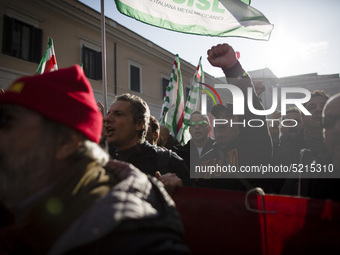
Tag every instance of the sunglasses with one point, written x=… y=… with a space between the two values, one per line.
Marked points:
x=329 y=121
x=201 y=123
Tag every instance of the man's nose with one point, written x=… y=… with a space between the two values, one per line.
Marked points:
x=107 y=119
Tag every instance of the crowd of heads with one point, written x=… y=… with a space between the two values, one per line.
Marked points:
x=51 y=126
x=128 y=122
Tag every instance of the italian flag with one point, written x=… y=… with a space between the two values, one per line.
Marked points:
x=48 y=62
x=172 y=113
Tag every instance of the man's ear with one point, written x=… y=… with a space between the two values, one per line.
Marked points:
x=140 y=125
x=67 y=147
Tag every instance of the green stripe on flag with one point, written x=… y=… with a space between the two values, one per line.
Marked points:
x=172 y=112
x=44 y=57
x=194 y=100
x=246 y=1
x=213 y=18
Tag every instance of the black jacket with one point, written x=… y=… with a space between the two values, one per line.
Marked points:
x=119 y=210
x=189 y=152
x=149 y=159
x=325 y=188
x=252 y=147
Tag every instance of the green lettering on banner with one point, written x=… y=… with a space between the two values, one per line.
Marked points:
x=179 y=1
x=205 y=5
x=215 y=7
x=202 y=4
x=190 y=3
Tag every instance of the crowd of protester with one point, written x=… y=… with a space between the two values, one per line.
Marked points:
x=55 y=173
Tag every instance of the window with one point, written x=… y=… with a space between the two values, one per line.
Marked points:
x=92 y=63
x=135 y=78
x=187 y=90
x=165 y=83
x=21 y=40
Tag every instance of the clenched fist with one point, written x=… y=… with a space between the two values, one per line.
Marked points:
x=222 y=55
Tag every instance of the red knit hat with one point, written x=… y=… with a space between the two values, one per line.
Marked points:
x=64 y=96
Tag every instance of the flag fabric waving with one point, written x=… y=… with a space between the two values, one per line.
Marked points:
x=172 y=112
x=246 y=2
x=48 y=62
x=194 y=100
x=209 y=17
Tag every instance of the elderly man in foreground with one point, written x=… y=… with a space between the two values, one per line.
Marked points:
x=56 y=196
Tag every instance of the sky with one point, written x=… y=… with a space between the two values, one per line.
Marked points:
x=305 y=38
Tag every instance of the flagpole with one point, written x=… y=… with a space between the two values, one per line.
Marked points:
x=103 y=56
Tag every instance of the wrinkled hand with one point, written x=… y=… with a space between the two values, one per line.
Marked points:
x=171 y=182
x=222 y=55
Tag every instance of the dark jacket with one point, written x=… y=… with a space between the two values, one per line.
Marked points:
x=171 y=143
x=289 y=150
x=253 y=146
x=189 y=152
x=300 y=149
x=325 y=188
x=149 y=159
x=93 y=211
x=322 y=185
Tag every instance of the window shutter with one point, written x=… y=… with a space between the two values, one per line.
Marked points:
x=135 y=78
x=36 y=45
x=7 y=35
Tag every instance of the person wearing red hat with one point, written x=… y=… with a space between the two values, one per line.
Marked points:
x=59 y=193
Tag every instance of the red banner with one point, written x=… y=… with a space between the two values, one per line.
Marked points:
x=230 y=222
